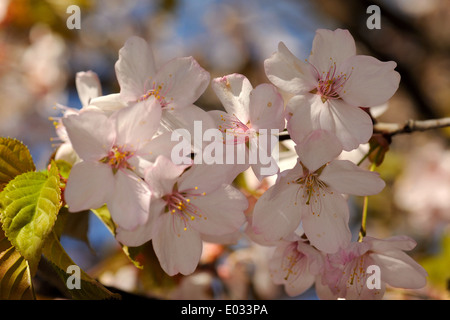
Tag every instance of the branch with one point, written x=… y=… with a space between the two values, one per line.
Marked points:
x=392 y=129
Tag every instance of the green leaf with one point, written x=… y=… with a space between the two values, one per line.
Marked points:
x=15 y=273
x=29 y=205
x=90 y=289
x=15 y=159
x=64 y=168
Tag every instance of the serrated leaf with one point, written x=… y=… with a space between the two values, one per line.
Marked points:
x=90 y=289
x=29 y=205
x=15 y=159
x=15 y=273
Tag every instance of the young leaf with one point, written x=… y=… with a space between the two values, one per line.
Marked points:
x=15 y=159
x=15 y=274
x=29 y=205
x=90 y=289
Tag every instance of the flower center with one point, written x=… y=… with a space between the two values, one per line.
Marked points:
x=179 y=205
x=159 y=92
x=117 y=158
x=232 y=126
x=330 y=84
x=290 y=261
x=311 y=188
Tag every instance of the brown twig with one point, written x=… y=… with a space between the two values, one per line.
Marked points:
x=392 y=129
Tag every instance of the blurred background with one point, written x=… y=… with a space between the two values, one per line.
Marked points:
x=39 y=57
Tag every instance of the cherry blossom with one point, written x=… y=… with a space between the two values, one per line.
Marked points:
x=295 y=265
x=330 y=86
x=311 y=194
x=114 y=150
x=88 y=87
x=177 y=84
x=251 y=114
x=347 y=273
x=188 y=202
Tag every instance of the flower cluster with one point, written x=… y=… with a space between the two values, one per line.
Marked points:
x=122 y=148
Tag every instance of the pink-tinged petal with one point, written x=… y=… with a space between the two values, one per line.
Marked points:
x=191 y=118
x=180 y=82
x=266 y=108
x=305 y=114
x=331 y=47
x=346 y=177
x=147 y=154
x=370 y=82
x=144 y=232
x=129 y=205
x=222 y=211
x=88 y=86
x=162 y=176
x=319 y=148
x=353 y=126
x=234 y=92
x=136 y=125
x=107 y=104
x=91 y=133
x=178 y=250
x=404 y=243
x=290 y=268
x=134 y=68
x=323 y=291
x=326 y=222
x=289 y=73
x=203 y=178
x=229 y=238
x=400 y=270
x=277 y=213
x=89 y=186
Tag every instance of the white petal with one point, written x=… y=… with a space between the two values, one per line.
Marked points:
x=346 y=177
x=134 y=68
x=136 y=125
x=326 y=223
x=182 y=82
x=319 y=148
x=161 y=145
x=396 y=242
x=191 y=118
x=234 y=92
x=370 y=82
x=266 y=108
x=400 y=270
x=129 y=205
x=331 y=47
x=107 y=104
x=222 y=211
x=290 y=73
x=162 y=176
x=91 y=134
x=204 y=177
x=144 y=232
x=89 y=186
x=88 y=86
x=305 y=114
x=178 y=250
x=65 y=152
x=277 y=214
x=353 y=126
